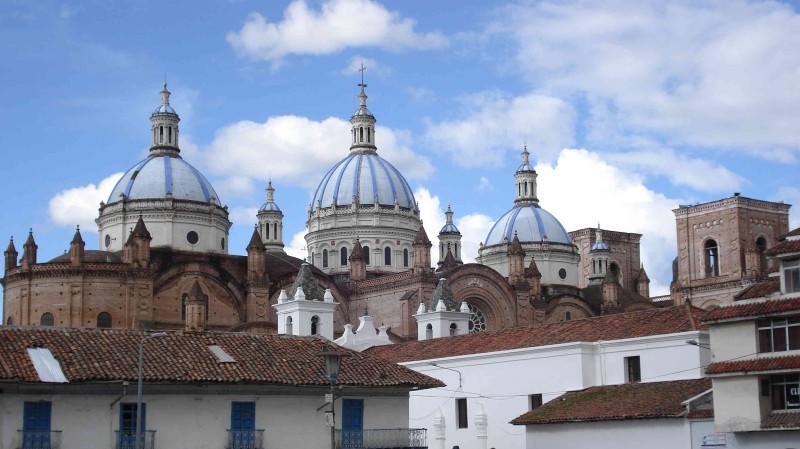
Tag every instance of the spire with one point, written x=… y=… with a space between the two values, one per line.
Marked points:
x=533 y=269
x=422 y=236
x=76 y=248
x=29 y=250
x=11 y=248
x=140 y=230
x=443 y=298
x=196 y=303
x=270 y=193
x=77 y=237
x=255 y=241
x=164 y=127
x=11 y=255
x=363 y=123
x=449 y=215
x=358 y=267
x=516 y=247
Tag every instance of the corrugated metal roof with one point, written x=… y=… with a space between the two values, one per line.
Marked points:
x=46 y=366
x=223 y=356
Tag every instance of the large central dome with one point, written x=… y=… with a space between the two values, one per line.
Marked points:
x=162 y=175
x=530 y=223
x=363 y=178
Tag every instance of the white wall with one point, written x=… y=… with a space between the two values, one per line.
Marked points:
x=644 y=433
x=733 y=340
x=194 y=421
x=502 y=381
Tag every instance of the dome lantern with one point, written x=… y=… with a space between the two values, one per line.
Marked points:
x=526 y=181
x=363 y=123
x=164 y=126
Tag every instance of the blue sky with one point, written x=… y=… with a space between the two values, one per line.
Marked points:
x=628 y=108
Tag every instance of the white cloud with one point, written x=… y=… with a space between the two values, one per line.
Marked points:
x=697 y=73
x=79 y=205
x=699 y=174
x=299 y=151
x=473 y=227
x=371 y=66
x=582 y=189
x=491 y=123
x=297 y=247
x=304 y=31
x=244 y=216
x=422 y=95
x=484 y=184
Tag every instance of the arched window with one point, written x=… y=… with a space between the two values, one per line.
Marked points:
x=274 y=230
x=405 y=257
x=8 y=321
x=104 y=320
x=324 y=258
x=183 y=306
x=343 y=256
x=47 y=319
x=567 y=316
x=456 y=247
x=170 y=135
x=615 y=272
x=266 y=230
x=594 y=267
x=526 y=188
x=313 y=259
x=289 y=325
x=387 y=256
x=369 y=134
x=361 y=134
x=453 y=329
x=314 y=325
x=711 y=258
x=366 y=255
x=761 y=244
x=428 y=332
x=160 y=134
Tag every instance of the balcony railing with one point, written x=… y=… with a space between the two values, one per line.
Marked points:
x=35 y=439
x=245 y=439
x=382 y=438
x=127 y=440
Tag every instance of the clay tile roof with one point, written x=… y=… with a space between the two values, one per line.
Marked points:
x=756 y=365
x=753 y=309
x=609 y=327
x=618 y=402
x=785 y=247
x=781 y=421
x=91 y=355
x=759 y=290
x=793 y=233
x=707 y=413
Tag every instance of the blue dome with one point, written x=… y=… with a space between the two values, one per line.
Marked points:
x=531 y=223
x=269 y=207
x=449 y=228
x=366 y=176
x=160 y=174
x=164 y=109
x=600 y=246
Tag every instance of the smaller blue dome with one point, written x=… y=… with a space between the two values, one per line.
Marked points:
x=164 y=109
x=269 y=207
x=600 y=246
x=449 y=228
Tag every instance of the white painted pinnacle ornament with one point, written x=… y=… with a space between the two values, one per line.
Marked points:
x=464 y=307
x=421 y=308
x=282 y=298
x=328 y=297
x=299 y=294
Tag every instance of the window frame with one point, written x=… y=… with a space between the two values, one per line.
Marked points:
x=790 y=276
x=633 y=369
x=778 y=334
x=535 y=401
x=781 y=387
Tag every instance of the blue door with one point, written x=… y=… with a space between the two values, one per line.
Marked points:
x=36 y=425
x=243 y=425
x=127 y=426
x=352 y=423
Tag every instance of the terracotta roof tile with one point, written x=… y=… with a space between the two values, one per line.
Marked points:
x=88 y=355
x=618 y=402
x=707 y=413
x=755 y=365
x=753 y=309
x=608 y=327
x=785 y=247
x=782 y=420
x=759 y=290
x=792 y=233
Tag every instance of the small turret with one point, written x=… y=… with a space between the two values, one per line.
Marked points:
x=526 y=181
x=534 y=279
x=449 y=239
x=164 y=126
x=270 y=222
x=516 y=261
x=29 y=251
x=76 y=248
x=600 y=255
x=137 y=248
x=196 y=304
x=643 y=283
x=256 y=258
x=358 y=266
x=610 y=294
x=11 y=255
x=422 y=251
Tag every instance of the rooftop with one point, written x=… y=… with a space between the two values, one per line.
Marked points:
x=618 y=402
x=752 y=310
x=609 y=327
x=91 y=355
x=791 y=362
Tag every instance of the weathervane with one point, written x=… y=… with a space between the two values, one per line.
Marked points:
x=362 y=69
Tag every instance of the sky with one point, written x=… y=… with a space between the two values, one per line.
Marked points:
x=629 y=108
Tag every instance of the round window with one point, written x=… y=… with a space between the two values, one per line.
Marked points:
x=562 y=273
x=108 y=240
x=192 y=238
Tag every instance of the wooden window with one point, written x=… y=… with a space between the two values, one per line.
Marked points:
x=633 y=369
x=462 y=420
x=535 y=401
x=791 y=275
x=785 y=391
x=779 y=334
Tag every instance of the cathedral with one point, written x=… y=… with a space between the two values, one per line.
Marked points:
x=164 y=261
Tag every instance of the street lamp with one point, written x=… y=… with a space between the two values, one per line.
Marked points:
x=333 y=364
x=696 y=343
x=136 y=443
